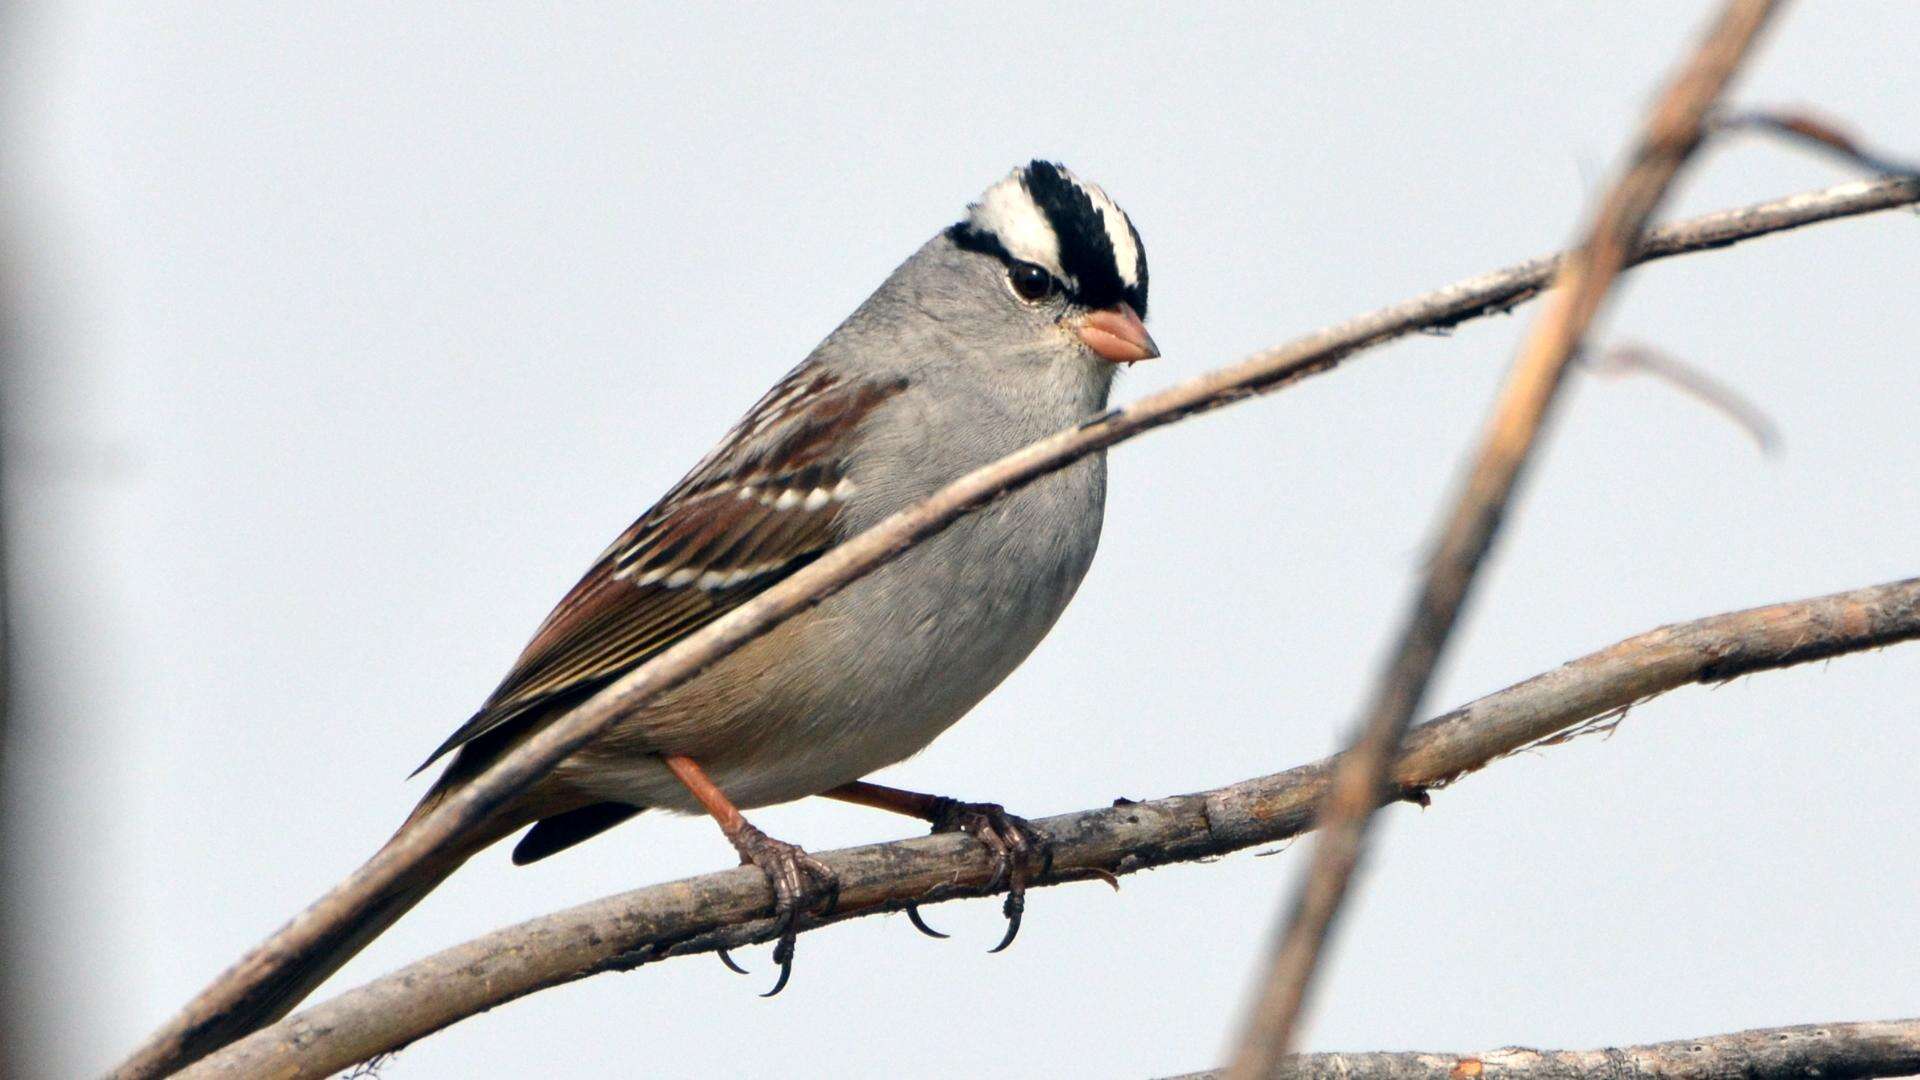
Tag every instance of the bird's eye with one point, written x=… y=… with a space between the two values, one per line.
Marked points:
x=1030 y=282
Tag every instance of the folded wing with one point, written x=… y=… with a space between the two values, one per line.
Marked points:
x=766 y=502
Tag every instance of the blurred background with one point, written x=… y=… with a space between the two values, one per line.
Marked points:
x=347 y=335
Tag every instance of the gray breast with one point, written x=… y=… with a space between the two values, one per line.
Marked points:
x=898 y=657
x=936 y=631
x=880 y=669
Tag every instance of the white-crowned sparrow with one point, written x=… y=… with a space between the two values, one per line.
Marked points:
x=1000 y=330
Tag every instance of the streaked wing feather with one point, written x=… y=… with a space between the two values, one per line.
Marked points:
x=766 y=502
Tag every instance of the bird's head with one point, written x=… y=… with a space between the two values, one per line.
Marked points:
x=1066 y=255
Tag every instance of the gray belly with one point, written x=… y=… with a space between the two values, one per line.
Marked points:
x=878 y=671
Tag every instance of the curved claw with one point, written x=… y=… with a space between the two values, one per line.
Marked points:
x=786 y=970
x=788 y=912
x=1012 y=843
x=920 y=924
x=799 y=882
x=733 y=966
x=782 y=955
x=1013 y=909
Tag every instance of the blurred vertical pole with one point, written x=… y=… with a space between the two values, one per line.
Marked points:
x=12 y=1022
x=10 y=1019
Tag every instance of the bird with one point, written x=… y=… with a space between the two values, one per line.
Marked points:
x=1005 y=327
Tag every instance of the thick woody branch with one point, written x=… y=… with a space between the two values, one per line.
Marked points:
x=1852 y=1051
x=728 y=909
x=1673 y=131
x=205 y=1023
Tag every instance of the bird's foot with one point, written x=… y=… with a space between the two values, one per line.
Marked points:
x=800 y=883
x=1017 y=848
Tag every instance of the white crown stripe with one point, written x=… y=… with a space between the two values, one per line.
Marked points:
x=1126 y=253
x=1008 y=211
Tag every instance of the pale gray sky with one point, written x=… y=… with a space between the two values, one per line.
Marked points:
x=356 y=330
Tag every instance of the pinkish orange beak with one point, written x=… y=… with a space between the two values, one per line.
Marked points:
x=1116 y=334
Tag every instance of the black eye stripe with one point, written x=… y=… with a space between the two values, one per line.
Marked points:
x=966 y=236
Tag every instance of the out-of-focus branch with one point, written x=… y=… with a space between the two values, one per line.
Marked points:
x=1671 y=134
x=1818 y=132
x=204 y=1023
x=727 y=909
x=13 y=1022
x=1696 y=384
x=1850 y=1051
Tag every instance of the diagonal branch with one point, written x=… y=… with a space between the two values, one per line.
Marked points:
x=204 y=1024
x=1672 y=133
x=1853 y=1051
x=727 y=909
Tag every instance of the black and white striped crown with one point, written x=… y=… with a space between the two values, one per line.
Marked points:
x=1045 y=215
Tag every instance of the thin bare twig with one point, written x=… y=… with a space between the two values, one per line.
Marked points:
x=728 y=909
x=1817 y=132
x=1849 y=1051
x=1672 y=132
x=205 y=1023
x=1696 y=384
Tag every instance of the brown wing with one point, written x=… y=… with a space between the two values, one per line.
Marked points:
x=765 y=503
